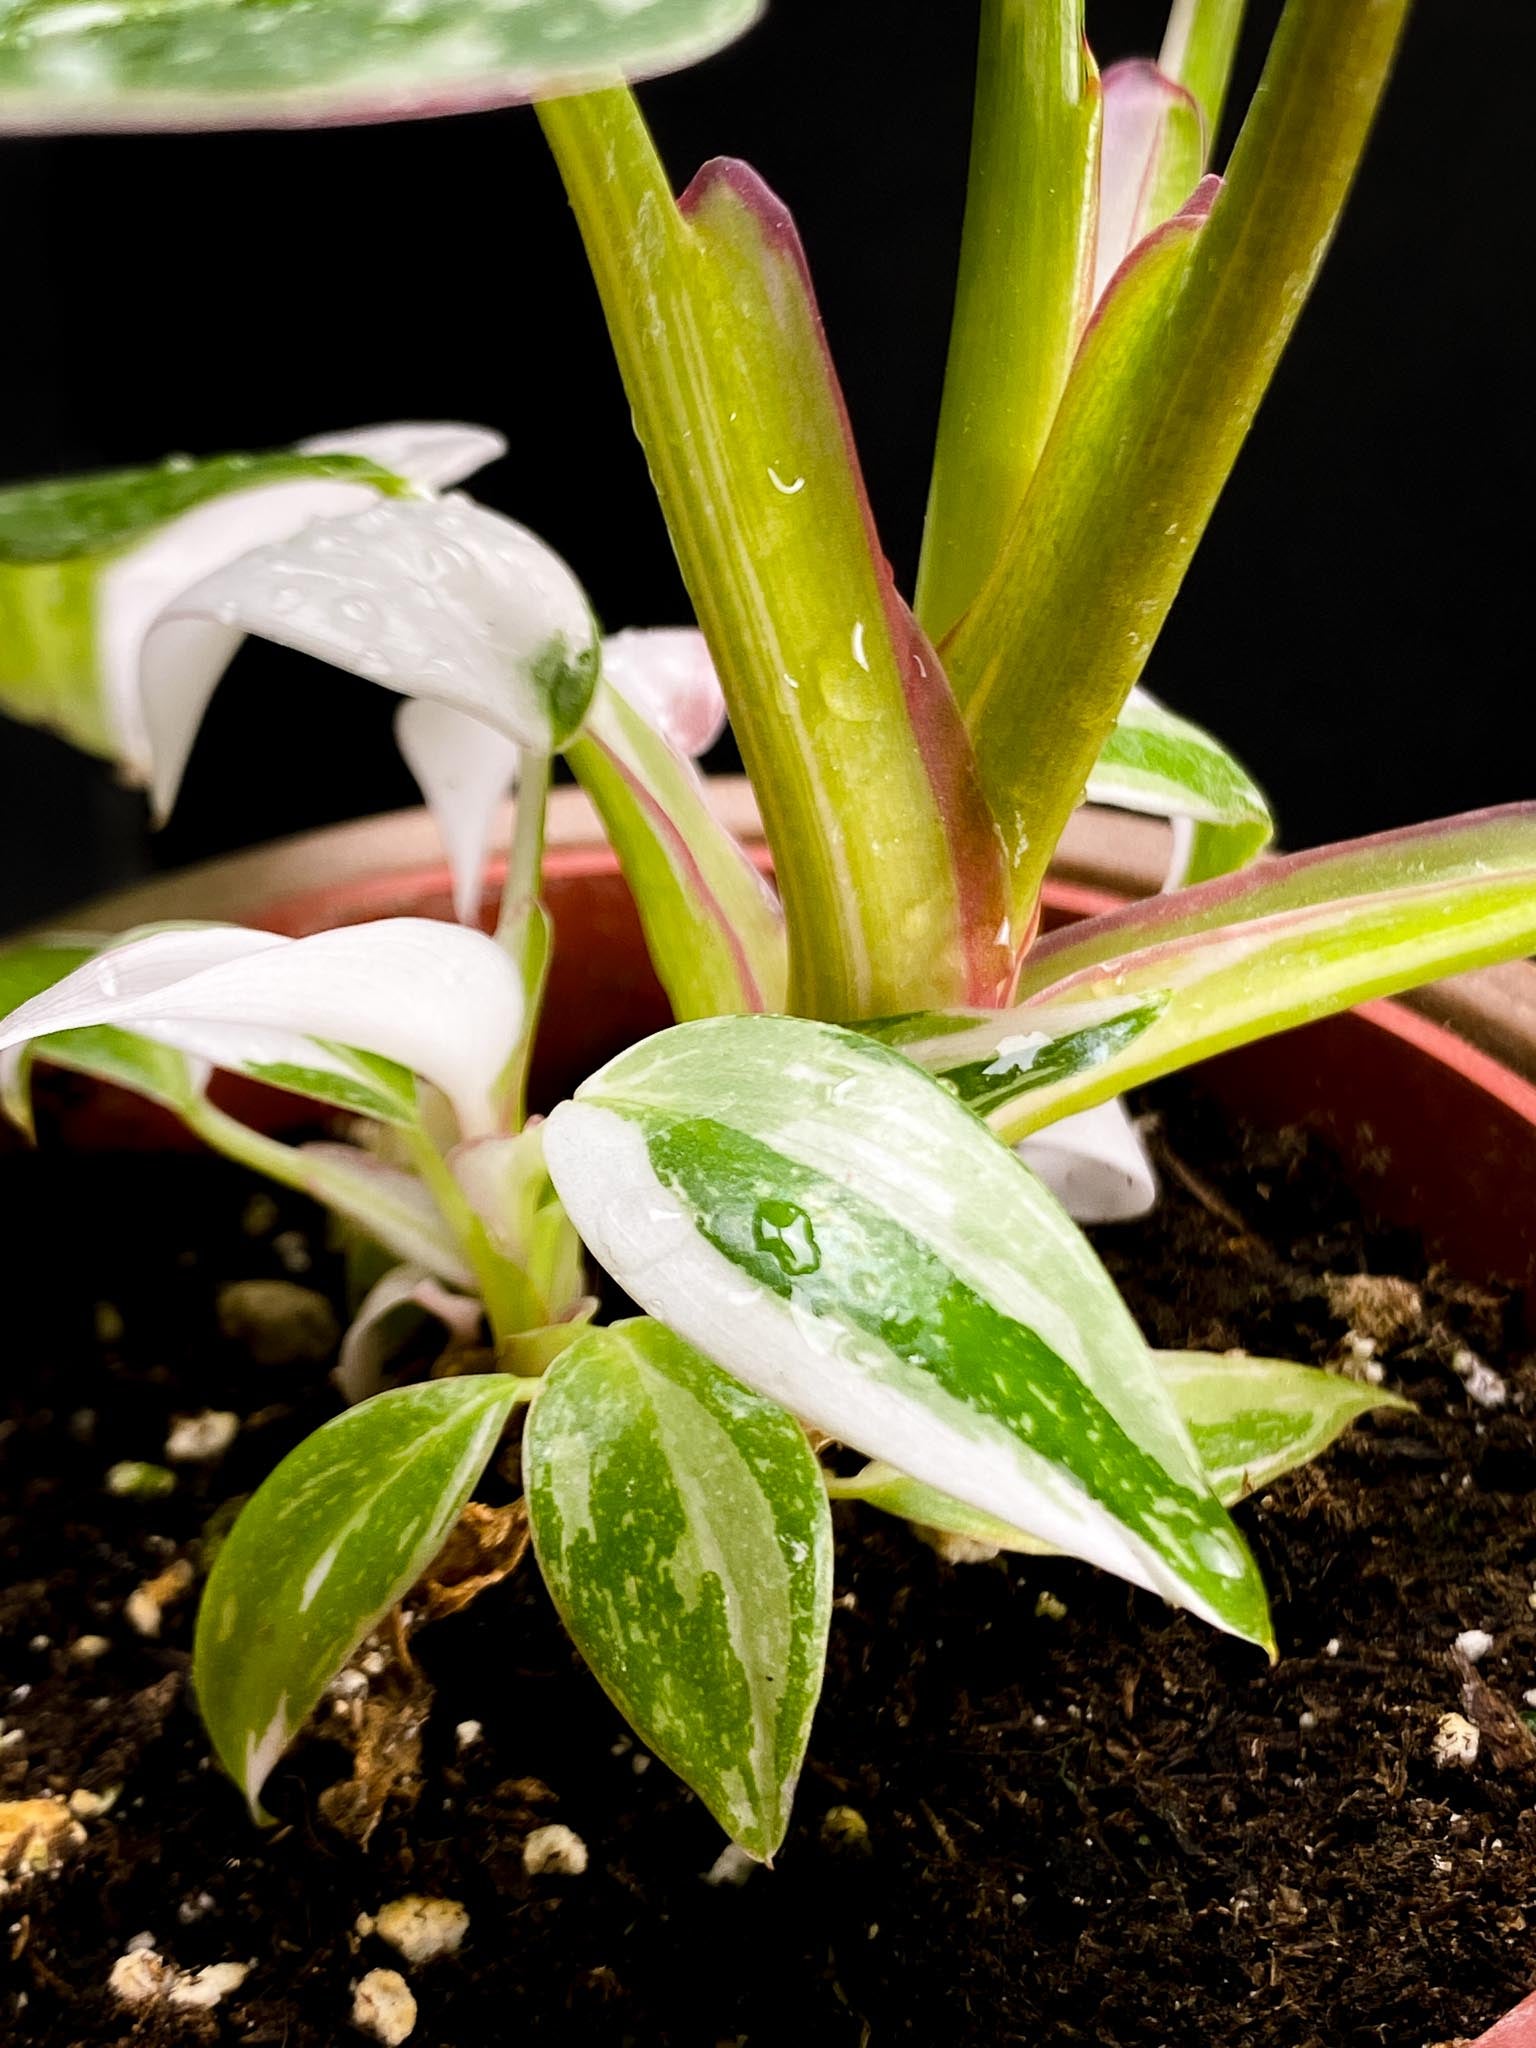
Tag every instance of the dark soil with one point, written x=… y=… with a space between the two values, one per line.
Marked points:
x=1101 y=1825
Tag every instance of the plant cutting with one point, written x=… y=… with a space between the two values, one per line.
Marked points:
x=853 y=1285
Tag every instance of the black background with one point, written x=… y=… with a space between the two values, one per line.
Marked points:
x=1354 y=624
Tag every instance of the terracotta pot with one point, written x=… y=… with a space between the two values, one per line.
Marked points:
x=1517 y=2029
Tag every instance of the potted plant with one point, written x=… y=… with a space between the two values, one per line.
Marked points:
x=852 y=1286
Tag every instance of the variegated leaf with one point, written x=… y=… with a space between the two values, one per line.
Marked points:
x=215 y=64
x=1116 y=1000
x=88 y=563
x=1160 y=764
x=829 y=1224
x=437 y=598
x=105 y=1054
x=682 y=1528
x=346 y=1016
x=344 y=1526
x=1252 y=1420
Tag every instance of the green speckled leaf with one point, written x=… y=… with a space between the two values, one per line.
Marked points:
x=682 y=1526
x=345 y=1525
x=103 y=64
x=1252 y=1419
x=829 y=1224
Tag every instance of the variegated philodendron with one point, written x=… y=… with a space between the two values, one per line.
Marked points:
x=843 y=1223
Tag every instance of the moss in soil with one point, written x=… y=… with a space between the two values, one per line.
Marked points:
x=1089 y=1820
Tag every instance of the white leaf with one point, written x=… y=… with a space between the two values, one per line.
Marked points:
x=666 y=673
x=1095 y=1164
x=432 y=454
x=435 y=598
x=370 y=1341
x=465 y=770
x=445 y=1002
x=135 y=589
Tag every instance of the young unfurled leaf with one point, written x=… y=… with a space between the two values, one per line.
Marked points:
x=1158 y=763
x=886 y=858
x=87 y=563
x=1152 y=157
x=344 y=1526
x=829 y=1224
x=346 y=1016
x=436 y=598
x=1252 y=1420
x=216 y=64
x=1282 y=942
x=682 y=1526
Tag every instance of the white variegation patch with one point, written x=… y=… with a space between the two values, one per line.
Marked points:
x=1095 y=1164
x=438 y=598
x=444 y=1002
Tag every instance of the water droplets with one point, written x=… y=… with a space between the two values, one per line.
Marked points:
x=783 y=1230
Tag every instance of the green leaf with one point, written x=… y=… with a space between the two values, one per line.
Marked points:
x=1159 y=401
x=1275 y=946
x=713 y=926
x=215 y=64
x=1252 y=1420
x=1026 y=272
x=682 y=1527
x=1159 y=763
x=339 y=1532
x=828 y=1223
x=885 y=856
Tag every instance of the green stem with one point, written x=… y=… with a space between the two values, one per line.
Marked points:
x=524 y=929
x=881 y=840
x=1198 y=51
x=512 y=1303
x=1165 y=387
x=1026 y=266
x=525 y=859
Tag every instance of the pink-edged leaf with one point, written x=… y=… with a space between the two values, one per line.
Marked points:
x=1260 y=951
x=885 y=853
x=1152 y=149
